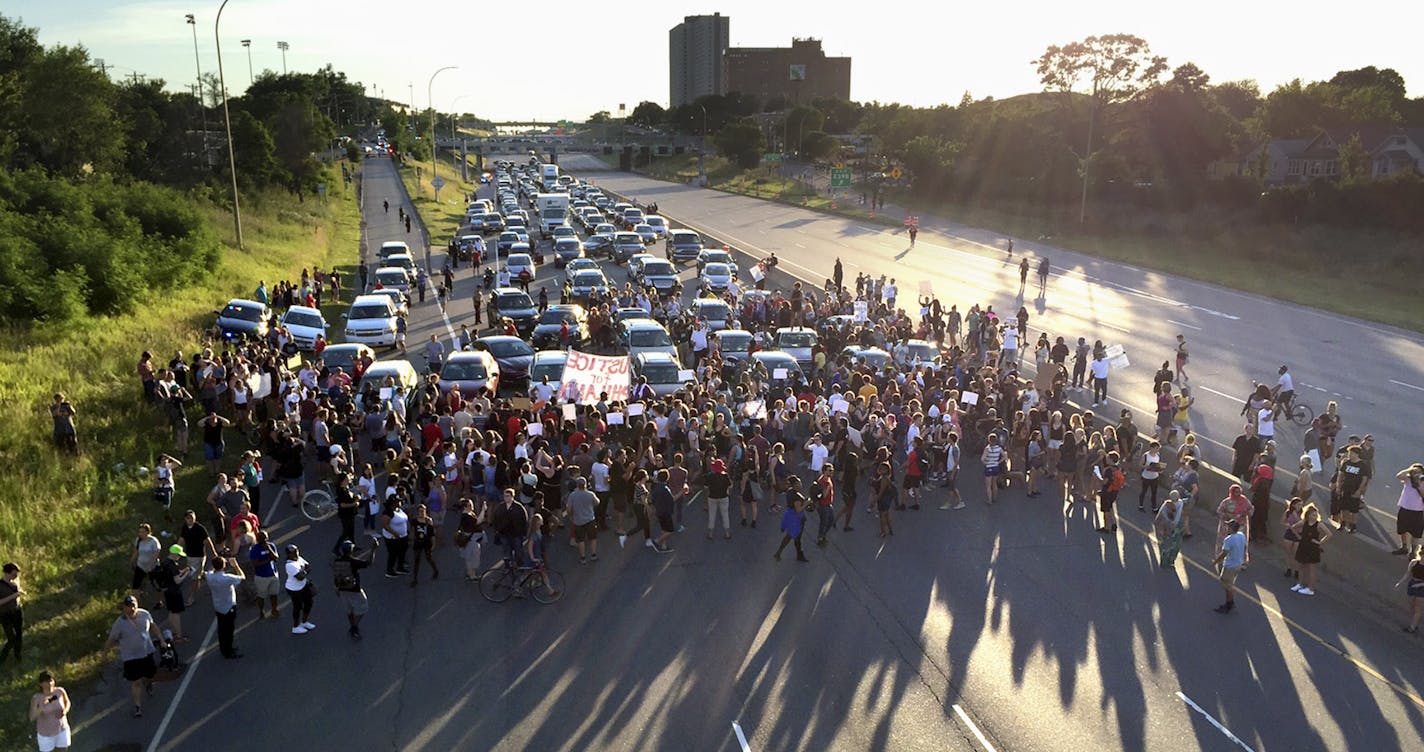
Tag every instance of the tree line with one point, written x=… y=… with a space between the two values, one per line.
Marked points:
x=1114 y=124
x=101 y=181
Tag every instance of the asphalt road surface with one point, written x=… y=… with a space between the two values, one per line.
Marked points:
x=1007 y=627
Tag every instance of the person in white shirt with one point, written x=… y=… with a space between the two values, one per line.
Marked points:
x=543 y=391
x=299 y=589
x=699 y=343
x=819 y=453
x=1285 y=391
x=1010 y=347
x=1266 y=422
x=1099 y=368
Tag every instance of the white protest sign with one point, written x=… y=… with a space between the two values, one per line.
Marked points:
x=862 y=311
x=969 y=398
x=635 y=409
x=586 y=376
x=386 y=392
x=854 y=436
x=926 y=289
x=536 y=429
x=1116 y=357
x=264 y=386
x=778 y=373
x=757 y=273
x=685 y=375
x=615 y=419
x=570 y=411
x=754 y=409
x=840 y=406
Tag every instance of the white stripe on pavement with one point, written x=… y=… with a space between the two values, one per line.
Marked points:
x=1181 y=323
x=741 y=738
x=963 y=716
x=1411 y=386
x=183 y=687
x=1216 y=723
x=1231 y=397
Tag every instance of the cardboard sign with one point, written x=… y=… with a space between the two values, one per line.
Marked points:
x=586 y=376
x=969 y=398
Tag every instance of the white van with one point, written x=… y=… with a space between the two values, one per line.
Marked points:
x=371 y=320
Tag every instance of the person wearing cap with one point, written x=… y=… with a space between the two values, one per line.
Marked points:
x=1409 y=521
x=135 y=634
x=299 y=589
x=223 y=578
x=170 y=575
x=719 y=487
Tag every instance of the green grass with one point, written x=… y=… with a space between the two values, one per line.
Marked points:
x=1368 y=275
x=444 y=218
x=68 y=521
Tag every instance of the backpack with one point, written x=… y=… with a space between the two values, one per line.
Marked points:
x=922 y=461
x=1117 y=480
x=344 y=575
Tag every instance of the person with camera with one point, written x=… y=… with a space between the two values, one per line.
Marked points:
x=1409 y=522
x=49 y=709
x=223 y=579
x=347 y=572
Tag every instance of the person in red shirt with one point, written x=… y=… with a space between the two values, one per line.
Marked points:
x=824 y=494
x=244 y=514
x=512 y=429
x=576 y=437
x=915 y=467
x=431 y=434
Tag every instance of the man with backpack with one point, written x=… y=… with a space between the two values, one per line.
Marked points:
x=346 y=570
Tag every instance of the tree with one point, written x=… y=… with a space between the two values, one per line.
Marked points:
x=1115 y=68
x=1238 y=98
x=819 y=145
x=254 y=151
x=742 y=142
x=1388 y=80
x=648 y=115
x=800 y=119
x=931 y=161
x=1354 y=161
x=602 y=116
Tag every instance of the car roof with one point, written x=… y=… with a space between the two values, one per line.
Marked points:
x=522 y=257
x=344 y=346
x=643 y=324
x=542 y=356
x=773 y=355
x=245 y=303
x=303 y=309
x=371 y=299
x=499 y=338
x=400 y=269
x=509 y=291
x=795 y=329
x=387 y=366
x=683 y=233
x=460 y=355
x=738 y=332
x=656 y=356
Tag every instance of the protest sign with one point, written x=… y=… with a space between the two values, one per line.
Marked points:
x=586 y=376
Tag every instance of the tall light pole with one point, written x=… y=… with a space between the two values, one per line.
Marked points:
x=227 y=119
x=702 y=150
x=283 y=46
x=193 y=22
x=247 y=44
x=430 y=99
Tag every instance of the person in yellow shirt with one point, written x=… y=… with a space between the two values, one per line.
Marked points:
x=868 y=390
x=1181 y=419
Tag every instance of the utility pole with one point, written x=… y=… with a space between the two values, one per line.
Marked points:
x=202 y=108
x=227 y=119
x=247 y=44
x=283 y=46
x=103 y=68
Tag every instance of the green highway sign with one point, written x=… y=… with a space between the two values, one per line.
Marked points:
x=771 y=157
x=840 y=178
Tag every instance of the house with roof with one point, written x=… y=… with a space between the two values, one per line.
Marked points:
x=1391 y=150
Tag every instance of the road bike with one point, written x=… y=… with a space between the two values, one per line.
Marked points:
x=500 y=583
x=318 y=504
x=1299 y=413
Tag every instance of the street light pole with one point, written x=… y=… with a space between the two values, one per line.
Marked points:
x=227 y=119
x=702 y=151
x=247 y=43
x=202 y=108
x=283 y=46
x=430 y=99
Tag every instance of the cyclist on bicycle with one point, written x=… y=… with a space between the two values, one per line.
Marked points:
x=1284 y=391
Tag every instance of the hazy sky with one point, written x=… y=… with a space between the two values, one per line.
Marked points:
x=557 y=59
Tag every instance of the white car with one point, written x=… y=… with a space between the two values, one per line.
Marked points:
x=646 y=232
x=578 y=264
x=605 y=229
x=305 y=324
x=716 y=277
x=635 y=262
x=371 y=320
x=659 y=225
x=520 y=264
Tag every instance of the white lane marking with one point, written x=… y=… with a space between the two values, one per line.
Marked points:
x=1312 y=386
x=183 y=687
x=741 y=738
x=868 y=228
x=1219 y=394
x=963 y=716
x=1182 y=323
x=1411 y=386
x=454 y=341
x=1113 y=326
x=1216 y=723
x=798 y=245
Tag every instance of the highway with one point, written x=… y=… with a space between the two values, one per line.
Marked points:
x=1004 y=628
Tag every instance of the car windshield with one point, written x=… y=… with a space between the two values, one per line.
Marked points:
x=649 y=338
x=558 y=316
x=795 y=339
x=508 y=348
x=243 y=313
x=603 y=229
x=660 y=373
x=520 y=259
x=628 y=237
x=468 y=370
x=555 y=372
x=369 y=312
x=566 y=245
x=923 y=352
x=735 y=342
x=718 y=270
x=657 y=267
x=655 y=222
x=395 y=276
x=712 y=310
x=643 y=228
x=513 y=300
x=684 y=238
x=302 y=318
x=589 y=278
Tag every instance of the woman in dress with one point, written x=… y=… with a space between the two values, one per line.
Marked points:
x=1313 y=536
x=1169 y=529
x=1289 y=537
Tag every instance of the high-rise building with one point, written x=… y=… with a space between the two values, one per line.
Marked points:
x=695 y=49
x=799 y=73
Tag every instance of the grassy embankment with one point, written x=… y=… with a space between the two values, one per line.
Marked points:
x=444 y=218
x=1359 y=273
x=69 y=521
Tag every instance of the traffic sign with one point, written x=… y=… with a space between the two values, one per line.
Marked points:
x=437 y=182
x=895 y=173
x=840 y=178
x=771 y=157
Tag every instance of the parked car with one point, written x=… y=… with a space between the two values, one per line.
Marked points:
x=659 y=225
x=587 y=282
x=646 y=232
x=305 y=324
x=521 y=267
x=512 y=354
x=546 y=335
x=394 y=277
x=735 y=346
x=399 y=372
x=660 y=275
x=716 y=277
x=471 y=371
x=241 y=318
x=661 y=371
x=566 y=250
x=345 y=357
x=714 y=311
x=548 y=363
x=625 y=244
x=715 y=256
x=798 y=342
x=646 y=335
x=683 y=245
x=775 y=361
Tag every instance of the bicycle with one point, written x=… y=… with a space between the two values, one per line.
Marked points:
x=318 y=504
x=1299 y=413
x=539 y=582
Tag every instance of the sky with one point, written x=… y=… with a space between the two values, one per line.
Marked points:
x=567 y=60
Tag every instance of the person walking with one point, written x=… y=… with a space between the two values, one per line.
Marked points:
x=993 y=459
x=49 y=709
x=12 y=618
x=169 y=576
x=1309 y=550
x=395 y=529
x=1111 y=480
x=135 y=635
x=793 y=520
x=1414 y=579
x=1043 y=276
x=663 y=503
x=346 y=571
x=719 y=488
x=265 y=583
x=824 y=494
x=583 y=511
x=1151 y=474
x=299 y=590
x=1409 y=520
x=223 y=580
x=1169 y=529
x=882 y=487
x=1023 y=275
x=423 y=533
x=1230 y=560
x=470 y=536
